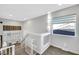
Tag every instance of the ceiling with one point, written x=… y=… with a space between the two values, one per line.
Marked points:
x=22 y=12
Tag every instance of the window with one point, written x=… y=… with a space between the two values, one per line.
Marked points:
x=64 y=25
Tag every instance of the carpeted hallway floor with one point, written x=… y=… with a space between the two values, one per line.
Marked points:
x=50 y=51
x=56 y=51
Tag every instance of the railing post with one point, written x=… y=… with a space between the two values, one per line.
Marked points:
x=1 y=52
x=13 y=50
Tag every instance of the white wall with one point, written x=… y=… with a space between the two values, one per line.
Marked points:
x=36 y=25
x=65 y=42
x=11 y=22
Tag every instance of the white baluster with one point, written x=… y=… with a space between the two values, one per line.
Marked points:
x=9 y=51
x=1 y=52
x=13 y=50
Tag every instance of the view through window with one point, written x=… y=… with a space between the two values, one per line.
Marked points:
x=64 y=25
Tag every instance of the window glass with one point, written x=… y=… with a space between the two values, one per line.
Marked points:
x=64 y=25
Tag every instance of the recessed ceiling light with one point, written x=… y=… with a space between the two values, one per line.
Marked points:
x=49 y=12
x=60 y=4
x=24 y=18
x=10 y=15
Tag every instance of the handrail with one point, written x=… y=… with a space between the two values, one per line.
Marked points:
x=28 y=35
x=25 y=38
x=5 y=48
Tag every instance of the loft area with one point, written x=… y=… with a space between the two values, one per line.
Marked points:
x=35 y=37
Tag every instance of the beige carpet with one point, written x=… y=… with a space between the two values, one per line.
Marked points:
x=50 y=51
x=19 y=50
x=56 y=51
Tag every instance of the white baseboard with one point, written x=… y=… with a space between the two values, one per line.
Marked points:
x=65 y=49
x=44 y=48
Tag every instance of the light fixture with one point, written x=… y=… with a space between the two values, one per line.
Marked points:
x=59 y=4
x=24 y=18
x=10 y=15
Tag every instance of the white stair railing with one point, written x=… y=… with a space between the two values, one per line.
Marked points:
x=24 y=38
x=10 y=50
